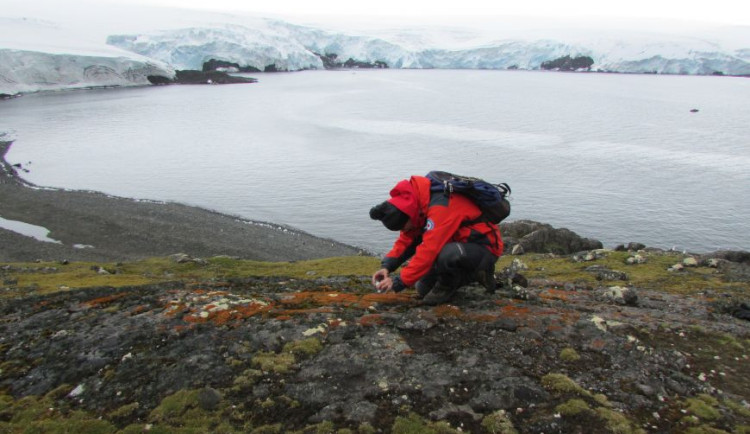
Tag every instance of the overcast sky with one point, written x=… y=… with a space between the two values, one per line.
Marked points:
x=713 y=11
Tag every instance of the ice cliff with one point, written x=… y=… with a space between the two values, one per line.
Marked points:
x=294 y=47
x=45 y=49
x=37 y=55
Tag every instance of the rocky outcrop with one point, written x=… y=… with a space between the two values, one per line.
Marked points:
x=224 y=66
x=526 y=236
x=331 y=61
x=200 y=77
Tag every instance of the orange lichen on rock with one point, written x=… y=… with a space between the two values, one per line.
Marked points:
x=556 y=294
x=371 y=320
x=106 y=299
x=388 y=298
x=447 y=310
x=343 y=299
x=288 y=313
x=487 y=317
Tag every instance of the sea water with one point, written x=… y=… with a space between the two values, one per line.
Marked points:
x=662 y=160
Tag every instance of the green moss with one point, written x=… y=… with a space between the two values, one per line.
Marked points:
x=498 y=423
x=124 y=411
x=305 y=347
x=65 y=426
x=602 y=400
x=33 y=414
x=267 y=429
x=29 y=409
x=414 y=424
x=59 y=392
x=272 y=362
x=729 y=340
x=181 y=412
x=247 y=379
x=617 y=423
x=704 y=429
x=173 y=407
x=560 y=384
x=653 y=274
x=325 y=427
x=6 y=402
x=162 y=269
x=366 y=428
x=703 y=406
x=573 y=407
x=741 y=429
x=569 y=355
x=737 y=408
x=135 y=428
x=267 y=403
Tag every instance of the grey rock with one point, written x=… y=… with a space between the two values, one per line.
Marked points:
x=209 y=398
x=535 y=237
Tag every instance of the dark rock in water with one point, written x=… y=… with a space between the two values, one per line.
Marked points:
x=190 y=76
x=218 y=65
x=694 y=110
x=331 y=61
x=158 y=79
x=543 y=238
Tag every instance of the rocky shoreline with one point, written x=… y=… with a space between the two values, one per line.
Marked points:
x=95 y=226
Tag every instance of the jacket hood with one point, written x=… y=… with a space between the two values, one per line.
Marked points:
x=404 y=197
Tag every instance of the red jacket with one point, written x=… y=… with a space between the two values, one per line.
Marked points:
x=437 y=220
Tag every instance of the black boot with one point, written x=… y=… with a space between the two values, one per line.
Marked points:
x=440 y=294
x=425 y=285
x=486 y=277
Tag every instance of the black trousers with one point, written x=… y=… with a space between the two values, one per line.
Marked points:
x=457 y=265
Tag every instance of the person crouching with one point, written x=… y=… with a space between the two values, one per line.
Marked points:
x=440 y=237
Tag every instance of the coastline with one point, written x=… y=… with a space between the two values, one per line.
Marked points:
x=93 y=226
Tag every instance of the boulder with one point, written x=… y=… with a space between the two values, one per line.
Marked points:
x=739 y=256
x=538 y=237
x=619 y=295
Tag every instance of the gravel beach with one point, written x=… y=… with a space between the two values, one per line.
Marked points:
x=98 y=227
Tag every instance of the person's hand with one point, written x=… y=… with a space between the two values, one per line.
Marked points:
x=379 y=276
x=385 y=285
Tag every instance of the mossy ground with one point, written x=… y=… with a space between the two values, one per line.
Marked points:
x=232 y=410
x=43 y=278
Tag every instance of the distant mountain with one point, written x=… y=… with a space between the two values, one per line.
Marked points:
x=120 y=48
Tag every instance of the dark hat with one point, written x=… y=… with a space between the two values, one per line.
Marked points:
x=393 y=218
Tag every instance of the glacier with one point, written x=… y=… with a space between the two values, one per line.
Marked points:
x=36 y=56
x=52 y=48
x=295 y=47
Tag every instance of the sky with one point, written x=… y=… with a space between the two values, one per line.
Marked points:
x=734 y=12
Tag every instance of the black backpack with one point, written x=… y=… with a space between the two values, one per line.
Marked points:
x=490 y=198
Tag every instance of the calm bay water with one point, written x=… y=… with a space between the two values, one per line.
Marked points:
x=618 y=158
